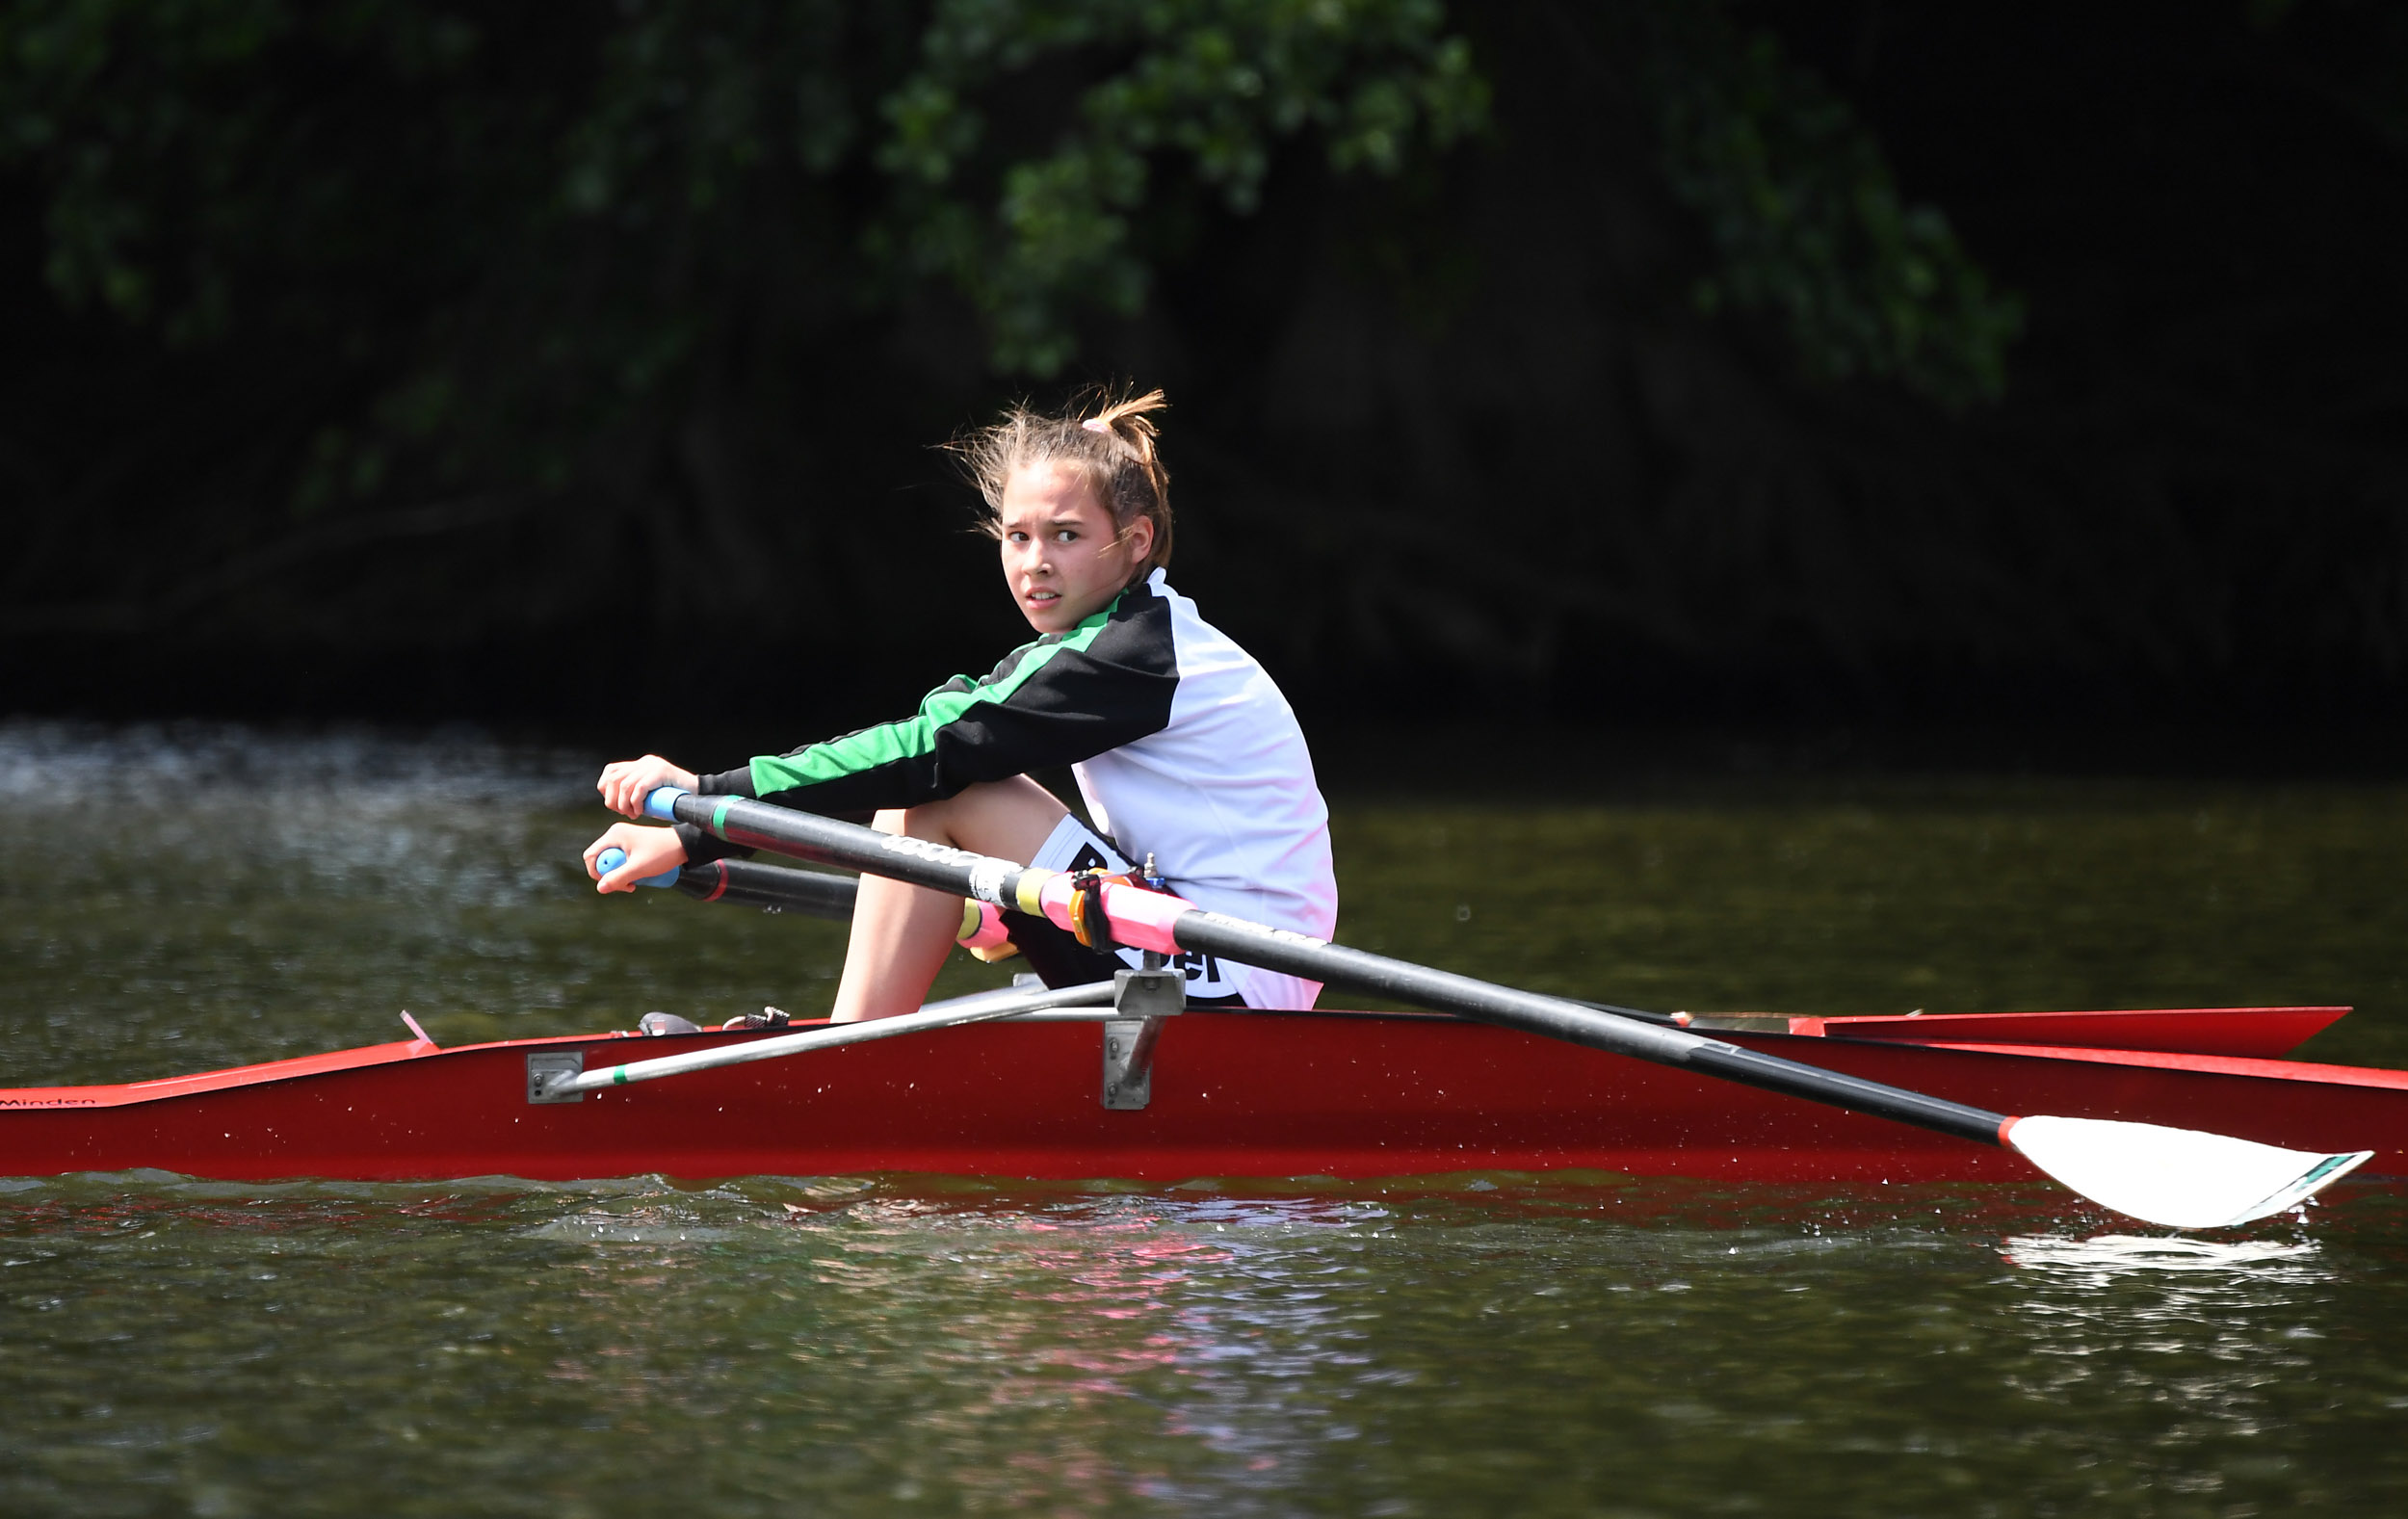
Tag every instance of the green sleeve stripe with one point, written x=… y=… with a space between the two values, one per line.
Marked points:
x=892 y=743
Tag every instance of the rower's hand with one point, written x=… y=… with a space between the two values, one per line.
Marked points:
x=649 y=851
x=625 y=783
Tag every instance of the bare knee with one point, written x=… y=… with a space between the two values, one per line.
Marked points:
x=932 y=821
x=1014 y=813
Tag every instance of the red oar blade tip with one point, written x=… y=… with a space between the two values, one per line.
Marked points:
x=2180 y=1178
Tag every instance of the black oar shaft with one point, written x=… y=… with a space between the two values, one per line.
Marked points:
x=751 y=886
x=1249 y=944
x=760 y=826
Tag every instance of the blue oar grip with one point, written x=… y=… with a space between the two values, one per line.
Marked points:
x=661 y=802
x=614 y=857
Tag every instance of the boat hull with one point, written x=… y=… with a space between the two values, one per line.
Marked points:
x=1234 y=1095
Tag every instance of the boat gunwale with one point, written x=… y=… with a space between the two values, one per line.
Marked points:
x=1816 y=1031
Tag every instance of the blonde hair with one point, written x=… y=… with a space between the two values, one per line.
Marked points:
x=1107 y=436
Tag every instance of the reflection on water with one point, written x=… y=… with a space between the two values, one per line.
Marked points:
x=1491 y=1345
x=913 y=1345
x=2102 y=1261
x=2220 y=1338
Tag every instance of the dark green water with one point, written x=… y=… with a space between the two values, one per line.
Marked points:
x=1482 y=1344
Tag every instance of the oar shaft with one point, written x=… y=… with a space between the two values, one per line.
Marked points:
x=1251 y=944
x=1152 y=921
x=750 y=885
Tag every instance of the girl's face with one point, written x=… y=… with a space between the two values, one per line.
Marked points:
x=1061 y=557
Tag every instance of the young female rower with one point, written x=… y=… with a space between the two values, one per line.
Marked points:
x=1182 y=747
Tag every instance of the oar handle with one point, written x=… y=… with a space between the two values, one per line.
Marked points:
x=614 y=857
x=749 y=885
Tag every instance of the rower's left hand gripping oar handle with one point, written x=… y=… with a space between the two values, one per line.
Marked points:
x=614 y=857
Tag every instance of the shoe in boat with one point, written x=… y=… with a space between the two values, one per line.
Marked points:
x=765 y=1018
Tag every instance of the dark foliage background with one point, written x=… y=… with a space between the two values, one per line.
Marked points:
x=1766 y=362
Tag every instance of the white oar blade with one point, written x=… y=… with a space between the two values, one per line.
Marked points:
x=2178 y=1177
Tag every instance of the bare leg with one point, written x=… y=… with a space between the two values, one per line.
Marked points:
x=900 y=935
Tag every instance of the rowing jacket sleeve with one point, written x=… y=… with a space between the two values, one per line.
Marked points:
x=1066 y=698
